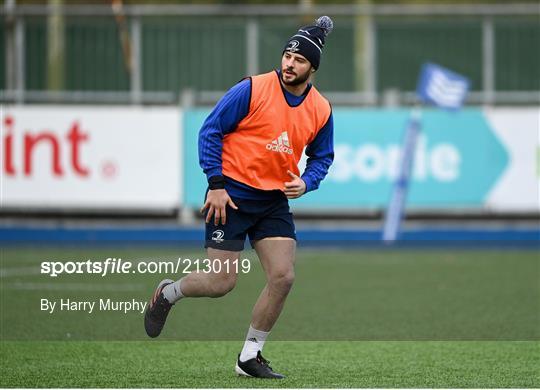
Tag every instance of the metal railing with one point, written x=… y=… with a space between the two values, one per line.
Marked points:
x=16 y=16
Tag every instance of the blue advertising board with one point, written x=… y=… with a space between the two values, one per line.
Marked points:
x=457 y=161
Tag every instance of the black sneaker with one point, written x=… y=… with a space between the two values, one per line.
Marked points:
x=257 y=367
x=157 y=310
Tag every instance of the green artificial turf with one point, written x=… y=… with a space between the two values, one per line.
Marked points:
x=355 y=318
x=307 y=364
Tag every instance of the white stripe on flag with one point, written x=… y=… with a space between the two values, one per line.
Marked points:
x=445 y=91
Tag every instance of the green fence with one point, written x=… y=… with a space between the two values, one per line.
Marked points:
x=94 y=56
x=35 y=54
x=403 y=46
x=210 y=53
x=203 y=54
x=517 y=54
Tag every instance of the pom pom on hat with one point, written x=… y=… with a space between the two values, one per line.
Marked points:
x=326 y=24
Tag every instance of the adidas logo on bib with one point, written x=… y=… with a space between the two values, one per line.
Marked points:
x=281 y=144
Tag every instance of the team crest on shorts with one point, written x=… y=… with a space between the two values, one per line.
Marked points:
x=217 y=236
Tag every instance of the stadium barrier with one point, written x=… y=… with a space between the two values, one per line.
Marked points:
x=476 y=160
x=138 y=159
x=91 y=158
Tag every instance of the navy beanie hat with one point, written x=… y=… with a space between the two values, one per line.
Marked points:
x=309 y=40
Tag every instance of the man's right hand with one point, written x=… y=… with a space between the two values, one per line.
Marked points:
x=216 y=203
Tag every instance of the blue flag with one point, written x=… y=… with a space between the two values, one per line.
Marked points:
x=442 y=87
x=438 y=86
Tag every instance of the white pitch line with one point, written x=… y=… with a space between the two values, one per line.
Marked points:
x=19 y=271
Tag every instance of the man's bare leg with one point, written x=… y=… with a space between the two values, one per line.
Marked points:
x=277 y=256
x=195 y=284
x=214 y=285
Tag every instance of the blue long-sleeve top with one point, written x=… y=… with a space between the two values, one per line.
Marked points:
x=224 y=118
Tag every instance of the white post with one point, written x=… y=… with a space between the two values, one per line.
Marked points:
x=370 y=59
x=20 y=60
x=136 y=70
x=252 y=47
x=11 y=56
x=488 y=60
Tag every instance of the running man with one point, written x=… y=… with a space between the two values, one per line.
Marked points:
x=249 y=149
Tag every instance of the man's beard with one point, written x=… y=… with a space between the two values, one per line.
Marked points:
x=297 y=81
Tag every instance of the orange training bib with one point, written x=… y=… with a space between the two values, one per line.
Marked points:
x=271 y=139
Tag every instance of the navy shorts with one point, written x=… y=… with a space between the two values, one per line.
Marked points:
x=256 y=219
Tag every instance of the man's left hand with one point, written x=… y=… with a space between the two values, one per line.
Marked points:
x=294 y=188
